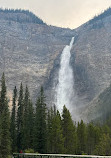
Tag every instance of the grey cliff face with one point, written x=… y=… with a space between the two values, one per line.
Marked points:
x=28 y=52
x=92 y=63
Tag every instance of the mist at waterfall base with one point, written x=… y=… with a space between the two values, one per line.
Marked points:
x=65 y=93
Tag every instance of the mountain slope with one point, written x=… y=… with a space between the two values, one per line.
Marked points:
x=30 y=53
x=21 y=16
x=92 y=59
x=99 y=109
x=28 y=49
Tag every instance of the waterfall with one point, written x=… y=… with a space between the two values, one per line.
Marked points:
x=64 y=88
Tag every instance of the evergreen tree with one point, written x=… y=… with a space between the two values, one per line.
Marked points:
x=20 y=117
x=25 y=119
x=55 y=132
x=91 y=135
x=5 y=134
x=82 y=137
x=2 y=94
x=28 y=121
x=104 y=146
x=13 y=128
x=40 y=136
x=57 y=135
x=69 y=132
x=49 y=130
x=4 y=122
x=30 y=125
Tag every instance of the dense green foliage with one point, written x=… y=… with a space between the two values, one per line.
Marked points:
x=69 y=132
x=29 y=17
x=44 y=130
x=20 y=119
x=40 y=130
x=4 y=122
x=13 y=130
x=55 y=139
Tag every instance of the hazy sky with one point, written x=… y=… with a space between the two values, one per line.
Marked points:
x=65 y=13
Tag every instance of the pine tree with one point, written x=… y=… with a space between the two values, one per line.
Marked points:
x=40 y=136
x=69 y=132
x=49 y=130
x=20 y=117
x=13 y=128
x=30 y=125
x=4 y=122
x=3 y=94
x=5 y=134
x=103 y=148
x=82 y=137
x=25 y=119
x=28 y=121
x=90 y=138
x=57 y=135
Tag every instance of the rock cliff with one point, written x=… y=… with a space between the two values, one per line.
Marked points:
x=28 y=49
x=92 y=60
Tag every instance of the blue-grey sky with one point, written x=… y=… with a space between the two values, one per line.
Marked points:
x=63 y=13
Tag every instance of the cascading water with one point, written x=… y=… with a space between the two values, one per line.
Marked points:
x=65 y=86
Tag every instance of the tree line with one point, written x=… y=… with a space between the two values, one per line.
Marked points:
x=37 y=128
x=29 y=18
x=103 y=15
x=97 y=20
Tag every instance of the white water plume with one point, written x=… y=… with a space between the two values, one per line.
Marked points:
x=65 y=87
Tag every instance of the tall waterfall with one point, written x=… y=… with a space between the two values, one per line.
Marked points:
x=64 y=89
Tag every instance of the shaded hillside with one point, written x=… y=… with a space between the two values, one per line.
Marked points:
x=100 y=108
x=91 y=61
x=91 y=58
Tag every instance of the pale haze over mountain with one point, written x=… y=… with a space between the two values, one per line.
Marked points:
x=63 y=13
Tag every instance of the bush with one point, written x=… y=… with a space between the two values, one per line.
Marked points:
x=29 y=150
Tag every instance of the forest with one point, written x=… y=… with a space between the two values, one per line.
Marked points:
x=101 y=16
x=28 y=18
x=37 y=128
